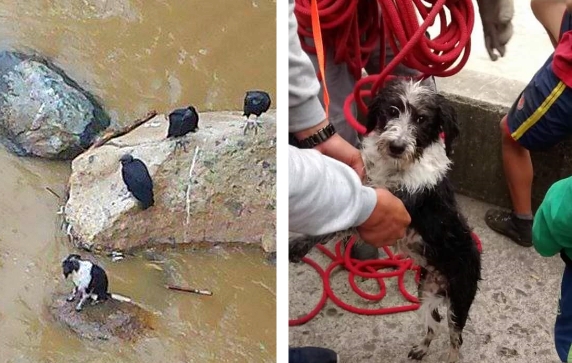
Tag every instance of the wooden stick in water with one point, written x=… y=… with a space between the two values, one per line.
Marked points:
x=116 y=133
x=185 y=289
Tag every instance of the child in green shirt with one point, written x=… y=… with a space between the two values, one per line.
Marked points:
x=552 y=234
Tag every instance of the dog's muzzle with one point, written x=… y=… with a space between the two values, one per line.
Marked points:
x=396 y=148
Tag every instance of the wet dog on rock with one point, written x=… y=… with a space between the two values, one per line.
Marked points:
x=89 y=279
x=404 y=153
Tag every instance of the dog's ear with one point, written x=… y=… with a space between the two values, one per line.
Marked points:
x=449 y=124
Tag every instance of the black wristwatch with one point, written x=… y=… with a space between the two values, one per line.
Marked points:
x=319 y=137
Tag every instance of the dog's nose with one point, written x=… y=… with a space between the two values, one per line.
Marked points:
x=397 y=148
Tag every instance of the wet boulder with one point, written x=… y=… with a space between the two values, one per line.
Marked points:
x=111 y=320
x=218 y=189
x=43 y=112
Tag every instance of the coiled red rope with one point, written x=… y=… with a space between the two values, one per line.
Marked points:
x=353 y=29
x=365 y=269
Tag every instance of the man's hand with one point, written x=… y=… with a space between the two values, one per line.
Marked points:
x=496 y=16
x=388 y=221
x=337 y=148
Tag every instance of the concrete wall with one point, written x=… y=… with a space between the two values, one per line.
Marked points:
x=481 y=101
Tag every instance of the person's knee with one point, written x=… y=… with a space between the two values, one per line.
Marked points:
x=506 y=136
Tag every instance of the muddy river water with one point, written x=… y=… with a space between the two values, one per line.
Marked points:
x=136 y=56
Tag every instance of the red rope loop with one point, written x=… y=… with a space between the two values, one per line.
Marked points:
x=353 y=28
x=375 y=269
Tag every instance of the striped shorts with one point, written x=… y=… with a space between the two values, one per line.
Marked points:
x=541 y=117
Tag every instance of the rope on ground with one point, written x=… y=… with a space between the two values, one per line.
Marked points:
x=369 y=269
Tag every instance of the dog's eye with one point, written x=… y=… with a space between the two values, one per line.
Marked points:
x=393 y=111
x=421 y=119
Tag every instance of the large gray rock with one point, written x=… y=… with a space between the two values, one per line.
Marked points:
x=42 y=111
x=111 y=320
x=231 y=197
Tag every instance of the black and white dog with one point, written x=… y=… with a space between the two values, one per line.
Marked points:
x=404 y=153
x=90 y=281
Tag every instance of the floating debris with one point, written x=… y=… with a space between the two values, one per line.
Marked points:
x=117 y=256
x=186 y=289
x=154 y=266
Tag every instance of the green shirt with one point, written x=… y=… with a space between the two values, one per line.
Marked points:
x=552 y=227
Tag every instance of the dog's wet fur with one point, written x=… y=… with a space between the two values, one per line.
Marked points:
x=404 y=153
x=90 y=280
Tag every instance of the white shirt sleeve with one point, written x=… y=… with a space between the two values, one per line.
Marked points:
x=325 y=195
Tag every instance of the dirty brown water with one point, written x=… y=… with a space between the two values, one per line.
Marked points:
x=136 y=56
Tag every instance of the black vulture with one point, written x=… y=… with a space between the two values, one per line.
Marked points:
x=137 y=179
x=255 y=103
x=181 y=122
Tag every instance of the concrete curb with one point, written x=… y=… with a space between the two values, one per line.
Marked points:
x=481 y=101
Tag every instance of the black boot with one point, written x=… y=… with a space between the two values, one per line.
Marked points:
x=506 y=223
x=362 y=251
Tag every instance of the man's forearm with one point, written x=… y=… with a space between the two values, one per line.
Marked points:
x=325 y=194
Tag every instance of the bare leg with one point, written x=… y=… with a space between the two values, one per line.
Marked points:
x=549 y=14
x=518 y=172
x=516 y=224
x=72 y=295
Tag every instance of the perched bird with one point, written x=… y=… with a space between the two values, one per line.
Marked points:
x=255 y=103
x=181 y=122
x=136 y=177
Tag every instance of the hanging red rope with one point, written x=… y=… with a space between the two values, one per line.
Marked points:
x=353 y=28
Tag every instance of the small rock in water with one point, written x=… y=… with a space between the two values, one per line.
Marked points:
x=110 y=320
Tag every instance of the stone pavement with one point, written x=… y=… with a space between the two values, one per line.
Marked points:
x=512 y=317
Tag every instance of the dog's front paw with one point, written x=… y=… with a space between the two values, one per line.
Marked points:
x=70 y=298
x=418 y=352
x=78 y=308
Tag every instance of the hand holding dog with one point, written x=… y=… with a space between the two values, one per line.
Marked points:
x=337 y=148
x=388 y=221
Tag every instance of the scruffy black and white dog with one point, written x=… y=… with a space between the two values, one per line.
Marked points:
x=404 y=153
x=89 y=279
